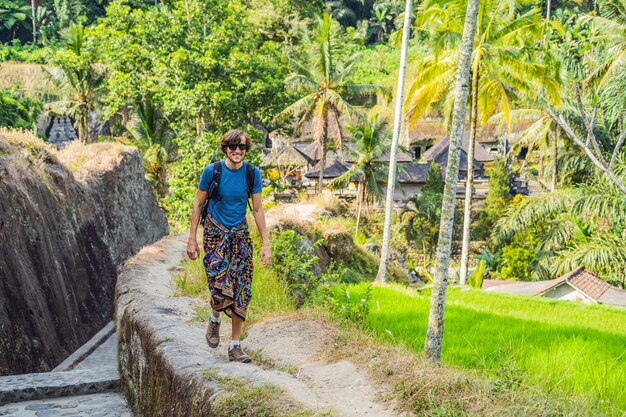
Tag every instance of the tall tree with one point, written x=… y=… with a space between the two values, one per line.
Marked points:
x=434 y=334
x=503 y=68
x=323 y=82
x=397 y=126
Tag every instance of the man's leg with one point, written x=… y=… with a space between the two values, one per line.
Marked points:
x=237 y=327
x=213 y=331
x=235 y=352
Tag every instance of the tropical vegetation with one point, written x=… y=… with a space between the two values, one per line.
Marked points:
x=171 y=76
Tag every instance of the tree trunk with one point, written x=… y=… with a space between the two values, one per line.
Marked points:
x=469 y=183
x=324 y=149
x=359 y=205
x=555 y=157
x=434 y=334
x=32 y=3
x=397 y=125
x=540 y=174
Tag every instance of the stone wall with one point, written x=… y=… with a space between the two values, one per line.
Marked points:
x=162 y=354
x=62 y=237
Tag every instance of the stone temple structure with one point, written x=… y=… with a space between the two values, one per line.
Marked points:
x=61 y=131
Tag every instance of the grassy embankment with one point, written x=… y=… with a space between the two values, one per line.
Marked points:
x=569 y=348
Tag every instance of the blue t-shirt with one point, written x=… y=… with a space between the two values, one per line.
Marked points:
x=230 y=207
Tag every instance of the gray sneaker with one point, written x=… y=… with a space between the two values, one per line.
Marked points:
x=213 y=334
x=237 y=354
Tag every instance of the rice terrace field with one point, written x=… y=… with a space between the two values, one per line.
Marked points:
x=573 y=349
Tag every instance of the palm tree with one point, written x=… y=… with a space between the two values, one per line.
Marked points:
x=611 y=28
x=79 y=72
x=502 y=68
x=155 y=139
x=434 y=334
x=577 y=226
x=542 y=136
x=372 y=141
x=420 y=219
x=323 y=81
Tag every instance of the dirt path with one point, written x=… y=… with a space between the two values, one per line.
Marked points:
x=295 y=345
x=301 y=213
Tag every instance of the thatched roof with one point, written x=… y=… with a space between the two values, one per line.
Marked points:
x=334 y=167
x=400 y=156
x=480 y=153
x=414 y=173
x=287 y=156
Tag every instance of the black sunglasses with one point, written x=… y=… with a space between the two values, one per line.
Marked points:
x=241 y=146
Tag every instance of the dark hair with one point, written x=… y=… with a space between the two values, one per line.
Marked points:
x=233 y=137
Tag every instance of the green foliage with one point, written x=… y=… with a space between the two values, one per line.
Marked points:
x=516 y=263
x=497 y=200
x=323 y=85
x=420 y=220
x=294 y=262
x=17 y=52
x=434 y=180
x=154 y=137
x=194 y=154
x=476 y=279
x=194 y=58
x=18 y=112
x=14 y=14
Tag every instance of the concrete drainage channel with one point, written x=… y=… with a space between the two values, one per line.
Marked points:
x=86 y=384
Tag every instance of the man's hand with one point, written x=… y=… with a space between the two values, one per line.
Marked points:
x=192 y=249
x=266 y=254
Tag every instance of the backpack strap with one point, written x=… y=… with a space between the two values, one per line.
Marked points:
x=213 y=191
x=217 y=176
x=250 y=171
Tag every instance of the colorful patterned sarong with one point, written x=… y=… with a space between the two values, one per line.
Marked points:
x=228 y=264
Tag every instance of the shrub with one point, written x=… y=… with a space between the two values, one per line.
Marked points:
x=294 y=262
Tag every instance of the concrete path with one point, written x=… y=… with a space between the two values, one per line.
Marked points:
x=85 y=385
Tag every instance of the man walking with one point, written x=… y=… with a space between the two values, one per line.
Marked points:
x=227 y=245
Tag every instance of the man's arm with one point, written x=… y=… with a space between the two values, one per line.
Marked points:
x=192 y=242
x=259 y=218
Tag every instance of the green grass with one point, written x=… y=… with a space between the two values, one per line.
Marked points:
x=566 y=348
x=269 y=293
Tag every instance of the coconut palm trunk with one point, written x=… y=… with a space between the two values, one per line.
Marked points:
x=469 y=183
x=555 y=157
x=32 y=3
x=323 y=147
x=540 y=173
x=397 y=125
x=359 y=205
x=434 y=334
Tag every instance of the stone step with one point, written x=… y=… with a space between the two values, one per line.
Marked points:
x=27 y=387
x=95 y=405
